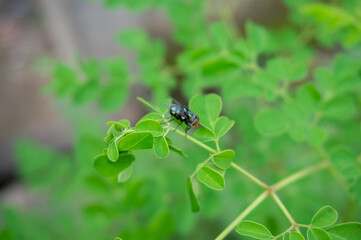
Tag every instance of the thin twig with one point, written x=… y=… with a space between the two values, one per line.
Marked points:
x=298 y=175
x=250 y=176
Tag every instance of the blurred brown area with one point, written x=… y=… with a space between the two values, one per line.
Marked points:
x=67 y=29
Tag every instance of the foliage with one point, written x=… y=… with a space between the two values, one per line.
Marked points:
x=281 y=108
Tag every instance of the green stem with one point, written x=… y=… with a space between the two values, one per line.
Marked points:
x=243 y=214
x=298 y=175
x=250 y=176
x=284 y=210
x=202 y=145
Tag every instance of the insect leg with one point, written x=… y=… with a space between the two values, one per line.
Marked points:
x=188 y=127
x=177 y=126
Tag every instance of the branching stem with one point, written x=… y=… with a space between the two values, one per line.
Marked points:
x=250 y=176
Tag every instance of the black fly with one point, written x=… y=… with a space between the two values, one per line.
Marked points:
x=183 y=114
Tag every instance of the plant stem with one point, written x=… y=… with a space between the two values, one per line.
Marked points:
x=284 y=210
x=250 y=176
x=298 y=175
x=202 y=145
x=243 y=214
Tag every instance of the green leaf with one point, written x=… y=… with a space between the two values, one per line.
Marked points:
x=220 y=34
x=296 y=132
x=308 y=96
x=244 y=87
x=64 y=80
x=124 y=175
x=270 y=122
x=204 y=135
x=113 y=97
x=223 y=159
x=150 y=125
x=210 y=178
x=113 y=153
x=133 y=38
x=86 y=92
x=177 y=150
x=325 y=79
x=160 y=147
x=324 y=217
x=113 y=131
x=345 y=231
x=207 y=108
x=279 y=68
x=192 y=196
x=317 y=234
x=316 y=136
x=339 y=108
x=253 y=229
x=153 y=116
x=110 y=169
x=222 y=126
x=121 y=124
x=135 y=141
x=218 y=66
x=292 y=236
x=257 y=36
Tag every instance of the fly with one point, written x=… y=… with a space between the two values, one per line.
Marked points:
x=183 y=114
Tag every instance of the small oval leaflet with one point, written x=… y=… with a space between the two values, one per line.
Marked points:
x=210 y=178
x=150 y=125
x=223 y=159
x=161 y=148
x=317 y=234
x=204 y=135
x=324 y=217
x=223 y=125
x=124 y=175
x=136 y=141
x=113 y=153
x=253 y=229
x=111 y=169
x=293 y=236
x=192 y=196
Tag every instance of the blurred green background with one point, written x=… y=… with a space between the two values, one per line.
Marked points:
x=68 y=67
